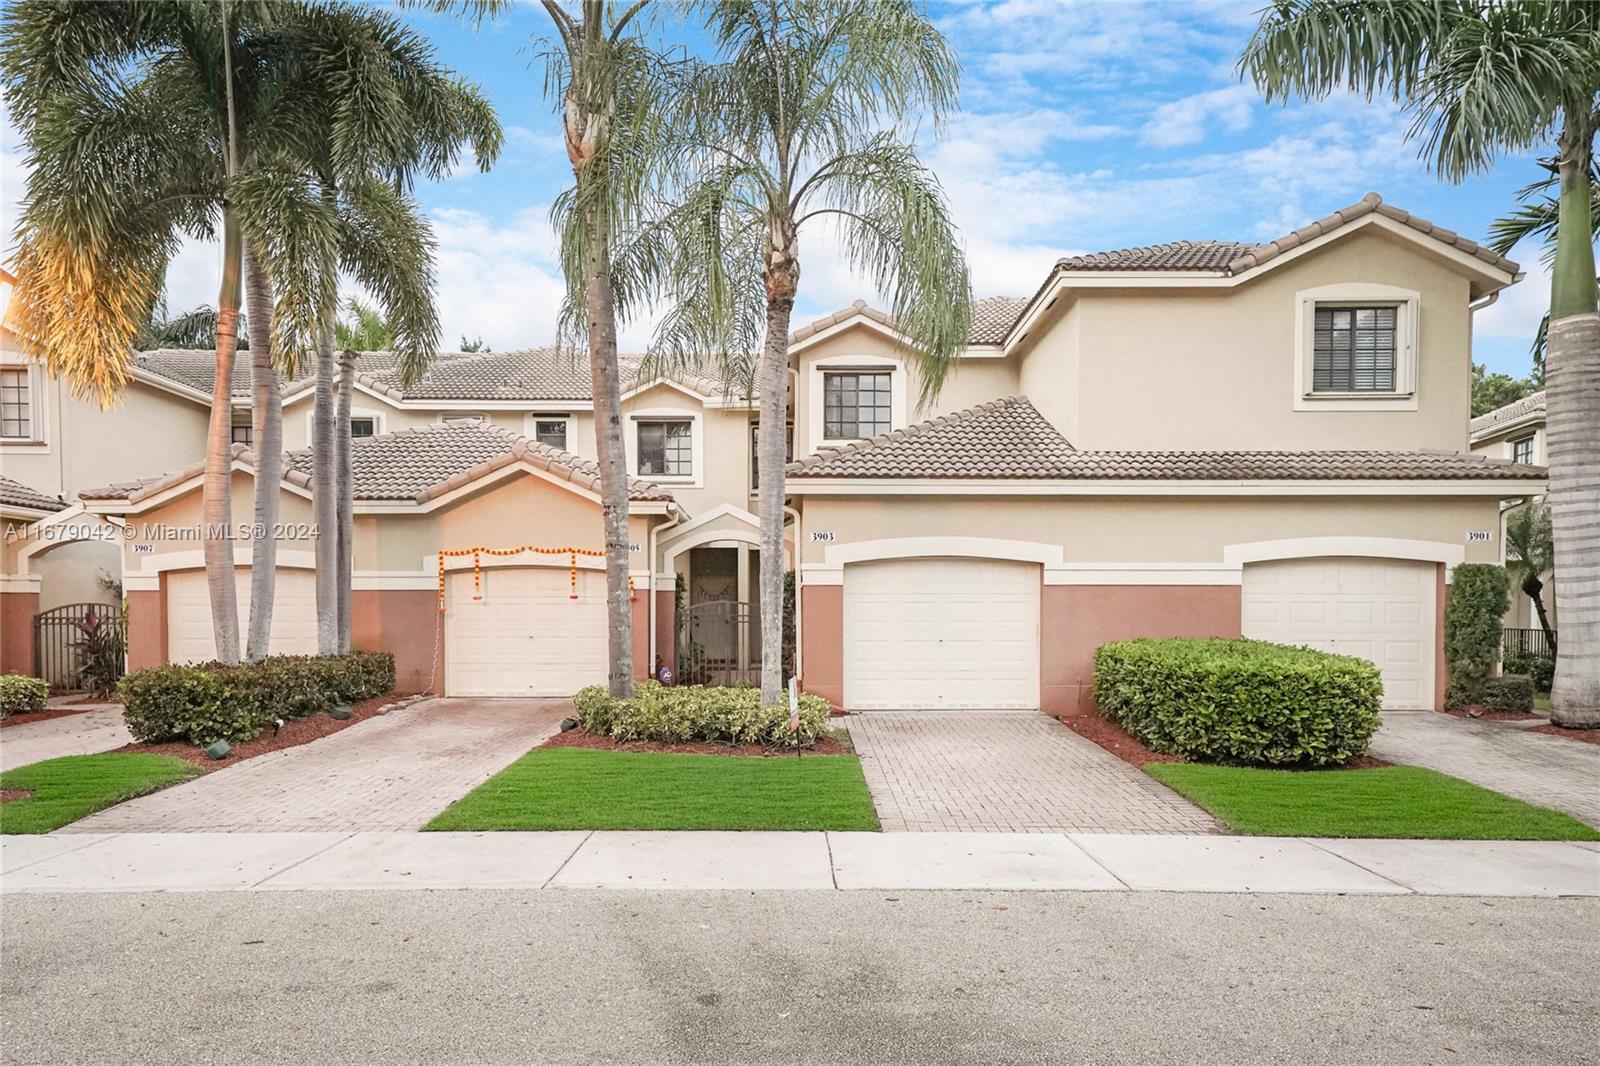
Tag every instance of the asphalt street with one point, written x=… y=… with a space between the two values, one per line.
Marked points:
x=524 y=977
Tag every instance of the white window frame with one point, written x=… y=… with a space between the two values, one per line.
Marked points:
x=377 y=426
x=1533 y=447
x=566 y=428
x=845 y=364
x=1408 y=316
x=38 y=437
x=247 y=422
x=697 y=445
x=380 y=422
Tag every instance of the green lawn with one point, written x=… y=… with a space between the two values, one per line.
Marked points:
x=1541 y=702
x=73 y=786
x=1389 y=801
x=578 y=788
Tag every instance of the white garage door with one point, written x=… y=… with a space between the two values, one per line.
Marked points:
x=191 y=637
x=526 y=636
x=1381 y=610
x=941 y=633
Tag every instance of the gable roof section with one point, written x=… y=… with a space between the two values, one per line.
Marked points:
x=991 y=319
x=15 y=494
x=1010 y=440
x=1174 y=255
x=1528 y=409
x=413 y=465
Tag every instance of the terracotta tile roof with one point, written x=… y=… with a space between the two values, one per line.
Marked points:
x=16 y=494
x=1486 y=424
x=993 y=317
x=1174 y=255
x=1010 y=439
x=415 y=464
x=1227 y=258
x=534 y=374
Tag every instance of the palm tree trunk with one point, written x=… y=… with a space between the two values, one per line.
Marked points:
x=1533 y=588
x=783 y=281
x=267 y=443
x=216 y=486
x=325 y=497
x=606 y=382
x=344 y=451
x=1572 y=427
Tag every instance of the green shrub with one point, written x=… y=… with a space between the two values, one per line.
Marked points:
x=1542 y=672
x=1478 y=600
x=22 y=695
x=209 y=702
x=1240 y=701
x=1509 y=692
x=695 y=713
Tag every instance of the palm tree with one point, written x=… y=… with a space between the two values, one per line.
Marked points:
x=196 y=328
x=1530 y=555
x=1536 y=216
x=784 y=135
x=1484 y=80
x=364 y=330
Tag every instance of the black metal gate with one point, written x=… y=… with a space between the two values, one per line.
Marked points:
x=715 y=646
x=64 y=638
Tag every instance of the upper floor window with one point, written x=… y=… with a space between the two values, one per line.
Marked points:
x=856 y=404
x=16 y=404
x=1522 y=450
x=1354 y=349
x=364 y=427
x=551 y=431
x=755 y=451
x=243 y=433
x=666 y=448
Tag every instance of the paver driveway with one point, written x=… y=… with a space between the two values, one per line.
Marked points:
x=394 y=772
x=72 y=734
x=1534 y=767
x=1007 y=772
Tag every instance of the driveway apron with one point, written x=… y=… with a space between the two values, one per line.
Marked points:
x=394 y=772
x=1533 y=767
x=1007 y=772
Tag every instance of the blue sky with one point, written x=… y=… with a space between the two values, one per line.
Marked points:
x=1084 y=126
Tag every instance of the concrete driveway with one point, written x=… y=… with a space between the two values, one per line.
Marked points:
x=1533 y=767
x=93 y=731
x=394 y=772
x=1007 y=771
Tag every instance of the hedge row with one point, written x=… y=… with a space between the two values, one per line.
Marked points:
x=22 y=695
x=1240 y=701
x=696 y=713
x=210 y=702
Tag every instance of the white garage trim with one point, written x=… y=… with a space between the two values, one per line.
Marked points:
x=837 y=556
x=1427 y=551
x=523 y=635
x=148 y=577
x=191 y=633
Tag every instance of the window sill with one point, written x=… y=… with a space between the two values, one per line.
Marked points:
x=24 y=443
x=1356 y=401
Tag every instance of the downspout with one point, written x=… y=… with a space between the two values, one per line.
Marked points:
x=652 y=539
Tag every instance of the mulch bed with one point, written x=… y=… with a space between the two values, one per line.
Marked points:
x=53 y=712
x=578 y=738
x=1127 y=747
x=9 y=794
x=295 y=732
x=1582 y=736
x=1492 y=716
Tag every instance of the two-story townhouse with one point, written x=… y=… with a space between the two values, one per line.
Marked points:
x=1191 y=439
x=1516 y=432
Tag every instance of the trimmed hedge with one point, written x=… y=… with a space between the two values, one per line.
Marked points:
x=1508 y=693
x=684 y=713
x=22 y=695
x=209 y=702
x=1541 y=669
x=1240 y=701
x=1479 y=598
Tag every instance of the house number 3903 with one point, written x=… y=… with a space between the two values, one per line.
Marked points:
x=822 y=536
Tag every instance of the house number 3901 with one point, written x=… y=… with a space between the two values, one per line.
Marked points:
x=822 y=536
x=1484 y=535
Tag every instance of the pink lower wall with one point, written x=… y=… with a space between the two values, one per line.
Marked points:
x=405 y=623
x=822 y=641
x=147 y=628
x=642 y=666
x=16 y=631
x=667 y=628
x=1076 y=619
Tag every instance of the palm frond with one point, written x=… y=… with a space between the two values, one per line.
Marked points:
x=387 y=246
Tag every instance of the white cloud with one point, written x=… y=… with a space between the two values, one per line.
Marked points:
x=1187 y=121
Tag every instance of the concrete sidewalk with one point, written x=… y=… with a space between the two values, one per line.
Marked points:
x=86 y=862
x=93 y=731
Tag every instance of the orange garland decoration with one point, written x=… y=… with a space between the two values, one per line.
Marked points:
x=477 y=566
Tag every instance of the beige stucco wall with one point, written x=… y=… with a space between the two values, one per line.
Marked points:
x=391 y=419
x=1149 y=529
x=1215 y=368
x=1499 y=446
x=174 y=528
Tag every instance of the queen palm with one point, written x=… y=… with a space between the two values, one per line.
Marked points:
x=1529 y=556
x=786 y=136
x=1483 y=80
